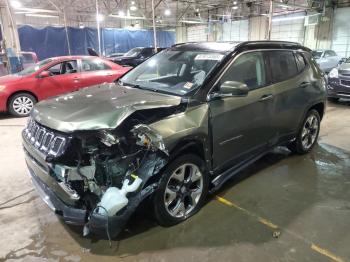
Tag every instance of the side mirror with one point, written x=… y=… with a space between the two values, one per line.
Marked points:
x=231 y=89
x=44 y=74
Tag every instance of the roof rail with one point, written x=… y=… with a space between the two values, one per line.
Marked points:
x=265 y=44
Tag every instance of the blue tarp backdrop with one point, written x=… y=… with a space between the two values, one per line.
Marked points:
x=51 y=41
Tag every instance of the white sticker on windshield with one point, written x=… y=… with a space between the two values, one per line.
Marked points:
x=215 y=57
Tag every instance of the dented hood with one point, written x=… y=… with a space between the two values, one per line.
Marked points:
x=100 y=107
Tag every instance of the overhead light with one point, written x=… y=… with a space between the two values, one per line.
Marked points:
x=16 y=4
x=132 y=2
x=234 y=2
x=100 y=17
x=235 y=7
x=42 y=15
x=133 y=8
x=167 y=12
x=121 y=13
x=192 y=22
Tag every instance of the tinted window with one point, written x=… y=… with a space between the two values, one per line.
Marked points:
x=283 y=65
x=300 y=62
x=66 y=67
x=147 y=52
x=248 y=69
x=28 y=58
x=329 y=53
x=94 y=65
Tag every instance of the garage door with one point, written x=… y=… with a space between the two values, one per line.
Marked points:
x=197 y=33
x=288 y=28
x=341 y=32
x=235 y=31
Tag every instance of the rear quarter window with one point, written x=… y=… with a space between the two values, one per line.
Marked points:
x=283 y=65
x=301 y=63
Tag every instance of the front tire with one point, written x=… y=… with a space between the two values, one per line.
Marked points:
x=182 y=191
x=20 y=105
x=308 y=134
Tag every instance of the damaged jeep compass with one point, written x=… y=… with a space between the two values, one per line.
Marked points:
x=171 y=130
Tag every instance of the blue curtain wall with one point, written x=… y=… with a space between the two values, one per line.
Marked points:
x=51 y=41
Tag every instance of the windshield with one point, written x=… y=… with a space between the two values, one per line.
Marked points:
x=175 y=72
x=34 y=68
x=133 y=52
x=317 y=54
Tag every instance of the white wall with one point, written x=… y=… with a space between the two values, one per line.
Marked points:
x=197 y=33
x=341 y=32
x=235 y=31
x=288 y=28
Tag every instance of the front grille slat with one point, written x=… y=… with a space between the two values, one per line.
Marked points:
x=43 y=139
x=345 y=82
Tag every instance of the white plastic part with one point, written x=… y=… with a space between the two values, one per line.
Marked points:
x=114 y=199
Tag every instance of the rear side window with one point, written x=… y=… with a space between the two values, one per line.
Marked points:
x=283 y=65
x=147 y=52
x=301 y=64
x=94 y=65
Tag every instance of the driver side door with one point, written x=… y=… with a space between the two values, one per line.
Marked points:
x=243 y=126
x=64 y=78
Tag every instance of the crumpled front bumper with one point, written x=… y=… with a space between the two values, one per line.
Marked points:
x=96 y=223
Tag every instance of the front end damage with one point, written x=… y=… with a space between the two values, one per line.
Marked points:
x=95 y=178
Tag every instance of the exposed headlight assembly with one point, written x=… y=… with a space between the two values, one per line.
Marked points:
x=333 y=73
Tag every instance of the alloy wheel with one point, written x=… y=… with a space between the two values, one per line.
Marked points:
x=310 y=131
x=22 y=105
x=183 y=190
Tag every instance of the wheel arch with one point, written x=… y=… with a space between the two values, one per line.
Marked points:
x=19 y=92
x=319 y=107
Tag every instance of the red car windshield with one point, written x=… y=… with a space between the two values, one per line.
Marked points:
x=34 y=68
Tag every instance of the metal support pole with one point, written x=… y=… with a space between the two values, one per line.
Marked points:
x=98 y=28
x=270 y=20
x=154 y=27
x=66 y=29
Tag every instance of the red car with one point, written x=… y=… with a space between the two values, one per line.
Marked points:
x=54 y=76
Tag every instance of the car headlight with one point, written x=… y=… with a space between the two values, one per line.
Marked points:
x=333 y=73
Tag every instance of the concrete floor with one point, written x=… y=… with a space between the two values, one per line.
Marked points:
x=284 y=208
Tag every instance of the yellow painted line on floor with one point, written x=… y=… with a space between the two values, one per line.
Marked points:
x=271 y=225
x=326 y=253
x=260 y=219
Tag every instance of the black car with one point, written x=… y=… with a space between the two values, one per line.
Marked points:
x=339 y=82
x=136 y=56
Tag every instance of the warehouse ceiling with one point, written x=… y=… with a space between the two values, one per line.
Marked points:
x=168 y=13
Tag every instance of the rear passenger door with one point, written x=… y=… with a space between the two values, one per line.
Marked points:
x=95 y=71
x=292 y=82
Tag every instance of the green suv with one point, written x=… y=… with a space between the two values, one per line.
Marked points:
x=171 y=130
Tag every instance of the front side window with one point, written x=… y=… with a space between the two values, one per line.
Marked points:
x=248 y=69
x=173 y=71
x=66 y=67
x=94 y=65
x=283 y=65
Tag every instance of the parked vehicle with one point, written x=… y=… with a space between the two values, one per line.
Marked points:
x=51 y=77
x=339 y=82
x=113 y=55
x=171 y=130
x=135 y=56
x=29 y=59
x=326 y=59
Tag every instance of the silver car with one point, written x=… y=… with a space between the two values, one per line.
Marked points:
x=326 y=59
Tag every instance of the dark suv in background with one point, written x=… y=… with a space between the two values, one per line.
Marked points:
x=339 y=82
x=135 y=56
x=171 y=130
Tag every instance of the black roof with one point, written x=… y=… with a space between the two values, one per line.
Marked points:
x=239 y=46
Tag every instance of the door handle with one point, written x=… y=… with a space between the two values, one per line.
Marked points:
x=266 y=97
x=304 y=84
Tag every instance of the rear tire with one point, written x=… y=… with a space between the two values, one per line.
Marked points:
x=182 y=190
x=21 y=104
x=307 y=134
